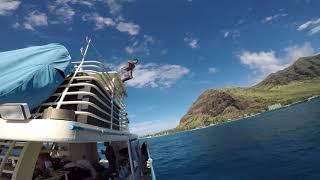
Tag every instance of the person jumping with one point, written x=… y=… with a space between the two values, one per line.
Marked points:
x=127 y=70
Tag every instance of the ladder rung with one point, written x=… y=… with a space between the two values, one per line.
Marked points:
x=9 y=143
x=10 y=157
x=7 y=171
x=5 y=143
x=6 y=146
x=21 y=144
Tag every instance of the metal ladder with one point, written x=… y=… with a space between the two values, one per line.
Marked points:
x=18 y=159
x=8 y=159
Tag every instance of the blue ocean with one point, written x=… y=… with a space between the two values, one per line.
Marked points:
x=282 y=144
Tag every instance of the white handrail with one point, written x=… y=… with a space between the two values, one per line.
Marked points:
x=91 y=85
x=104 y=71
x=79 y=102
x=74 y=75
x=106 y=81
x=91 y=77
x=85 y=93
x=92 y=115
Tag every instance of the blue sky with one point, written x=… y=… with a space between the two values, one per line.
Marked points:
x=184 y=46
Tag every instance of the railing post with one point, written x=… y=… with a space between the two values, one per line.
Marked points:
x=120 y=122
x=112 y=97
x=130 y=159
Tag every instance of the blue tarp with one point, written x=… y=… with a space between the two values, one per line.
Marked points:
x=32 y=74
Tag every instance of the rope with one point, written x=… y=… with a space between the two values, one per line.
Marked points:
x=96 y=50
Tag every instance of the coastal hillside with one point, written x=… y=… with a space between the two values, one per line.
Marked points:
x=297 y=82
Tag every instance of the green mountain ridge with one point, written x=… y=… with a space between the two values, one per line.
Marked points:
x=297 y=82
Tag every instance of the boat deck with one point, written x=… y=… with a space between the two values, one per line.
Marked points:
x=52 y=130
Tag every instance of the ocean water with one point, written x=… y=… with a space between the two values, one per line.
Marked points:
x=283 y=144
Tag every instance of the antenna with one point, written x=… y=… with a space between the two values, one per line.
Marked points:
x=81 y=51
x=88 y=40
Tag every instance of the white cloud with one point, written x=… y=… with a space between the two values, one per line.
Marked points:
x=315 y=30
x=140 y=47
x=83 y=2
x=155 y=75
x=233 y=34
x=266 y=62
x=272 y=18
x=16 y=25
x=308 y=24
x=268 y=18
x=240 y=22
x=294 y=52
x=153 y=126
x=226 y=34
x=212 y=70
x=66 y=13
x=130 y=49
x=100 y=21
x=116 y=18
x=35 y=19
x=312 y=25
x=114 y=6
x=62 y=10
x=103 y=22
x=192 y=42
x=130 y=28
x=8 y=6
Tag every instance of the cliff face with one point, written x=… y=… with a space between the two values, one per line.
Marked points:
x=298 y=81
x=215 y=102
